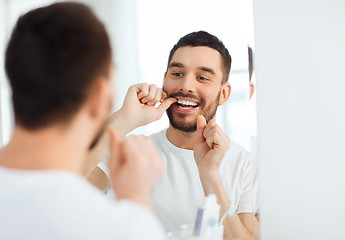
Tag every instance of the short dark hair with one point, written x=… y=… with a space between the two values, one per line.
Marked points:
x=202 y=38
x=53 y=57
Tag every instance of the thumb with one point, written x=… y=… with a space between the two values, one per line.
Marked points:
x=114 y=146
x=166 y=104
x=201 y=125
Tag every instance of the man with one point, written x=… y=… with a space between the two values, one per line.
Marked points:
x=59 y=65
x=194 y=149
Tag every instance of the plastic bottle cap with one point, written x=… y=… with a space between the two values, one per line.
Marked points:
x=211 y=199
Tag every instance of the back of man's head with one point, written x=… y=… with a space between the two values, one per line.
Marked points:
x=53 y=58
x=205 y=39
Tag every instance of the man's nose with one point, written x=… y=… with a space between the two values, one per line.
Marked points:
x=188 y=84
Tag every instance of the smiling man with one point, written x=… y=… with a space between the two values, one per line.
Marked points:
x=199 y=158
x=201 y=96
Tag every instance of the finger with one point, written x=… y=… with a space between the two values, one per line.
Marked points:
x=142 y=90
x=156 y=160
x=201 y=125
x=215 y=137
x=151 y=95
x=157 y=98
x=164 y=96
x=212 y=135
x=114 y=146
x=166 y=104
x=210 y=142
x=139 y=88
x=210 y=127
x=132 y=149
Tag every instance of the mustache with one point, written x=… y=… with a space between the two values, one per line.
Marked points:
x=187 y=95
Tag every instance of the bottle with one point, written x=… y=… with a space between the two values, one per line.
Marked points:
x=207 y=216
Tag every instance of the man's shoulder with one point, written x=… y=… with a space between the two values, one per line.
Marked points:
x=64 y=200
x=238 y=154
x=238 y=150
x=159 y=138
x=158 y=135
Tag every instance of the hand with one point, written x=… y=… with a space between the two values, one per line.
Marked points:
x=211 y=147
x=139 y=105
x=134 y=168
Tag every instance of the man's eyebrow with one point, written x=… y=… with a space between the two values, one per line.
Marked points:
x=175 y=64
x=180 y=65
x=206 y=69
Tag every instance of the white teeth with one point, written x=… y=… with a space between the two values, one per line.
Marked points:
x=185 y=107
x=187 y=103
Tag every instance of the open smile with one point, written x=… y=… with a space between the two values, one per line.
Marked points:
x=186 y=106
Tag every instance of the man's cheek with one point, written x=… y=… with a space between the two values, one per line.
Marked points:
x=166 y=90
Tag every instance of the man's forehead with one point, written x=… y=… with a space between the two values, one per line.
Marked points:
x=197 y=57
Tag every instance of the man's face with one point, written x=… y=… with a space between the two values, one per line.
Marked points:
x=194 y=78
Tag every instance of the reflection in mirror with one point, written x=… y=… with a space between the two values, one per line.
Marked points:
x=143 y=34
x=142 y=40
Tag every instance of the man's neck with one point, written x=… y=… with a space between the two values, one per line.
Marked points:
x=51 y=148
x=185 y=140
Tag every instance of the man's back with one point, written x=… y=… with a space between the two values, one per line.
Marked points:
x=56 y=204
x=59 y=65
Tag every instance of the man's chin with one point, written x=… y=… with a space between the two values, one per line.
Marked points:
x=186 y=129
x=182 y=122
x=182 y=126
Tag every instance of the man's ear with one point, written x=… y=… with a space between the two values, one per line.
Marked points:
x=251 y=89
x=225 y=93
x=99 y=98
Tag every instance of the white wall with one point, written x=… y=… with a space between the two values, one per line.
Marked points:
x=299 y=61
x=120 y=19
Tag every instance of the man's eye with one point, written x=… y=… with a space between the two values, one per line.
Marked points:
x=177 y=74
x=202 y=78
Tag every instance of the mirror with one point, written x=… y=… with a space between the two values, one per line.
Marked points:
x=143 y=32
x=142 y=38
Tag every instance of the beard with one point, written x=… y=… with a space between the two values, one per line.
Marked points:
x=178 y=120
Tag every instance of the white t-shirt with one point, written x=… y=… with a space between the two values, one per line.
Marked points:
x=56 y=204
x=179 y=193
